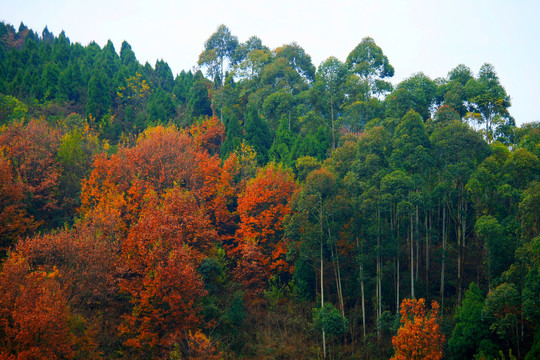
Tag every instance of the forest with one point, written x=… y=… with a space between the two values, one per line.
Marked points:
x=261 y=207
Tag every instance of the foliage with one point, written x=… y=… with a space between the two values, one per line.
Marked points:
x=203 y=215
x=420 y=335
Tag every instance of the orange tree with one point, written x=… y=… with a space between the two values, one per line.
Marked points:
x=262 y=207
x=420 y=335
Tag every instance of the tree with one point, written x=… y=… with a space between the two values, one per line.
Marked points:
x=470 y=329
x=198 y=101
x=160 y=255
x=423 y=91
x=34 y=314
x=262 y=207
x=15 y=222
x=244 y=49
x=99 y=99
x=257 y=134
x=298 y=59
x=220 y=46
x=420 y=336
x=369 y=63
x=488 y=101
x=502 y=312
x=75 y=155
x=499 y=248
x=316 y=207
x=330 y=78
x=281 y=150
x=31 y=150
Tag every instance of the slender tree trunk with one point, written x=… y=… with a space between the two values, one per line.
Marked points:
x=333 y=131
x=341 y=302
x=289 y=120
x=398 y=300
x=463 y=245
x=337 y=275
x=412 y=254
x=322 y=302
x=361 y=248
x=221 y=81
x=379 y=270
x=443 y=257
x=459 y=235
x=322 y=274
x=417 y=240
x=427 y=252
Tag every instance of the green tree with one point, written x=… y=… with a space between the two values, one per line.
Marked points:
x=470 y=329
x=199 y=103
x=257 y=134
x=328 y=88
x=423 y=91
x=219 y=48
x=369 y=63
x=99 y=101
x=298 y=59
x=488 y=100
x=281 y=150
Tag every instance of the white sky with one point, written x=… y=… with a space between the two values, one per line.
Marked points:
x=423 y=35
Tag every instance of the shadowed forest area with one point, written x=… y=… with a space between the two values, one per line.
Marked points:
x=261 y=207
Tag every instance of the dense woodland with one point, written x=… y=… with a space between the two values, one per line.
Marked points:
x=261 y=207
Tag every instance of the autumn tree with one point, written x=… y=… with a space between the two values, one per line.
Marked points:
x=160 y=256
x=117 y=184
x=15 y=221
x=31 y=151
x=262 y=206
x=34 y=313
x=420 y=335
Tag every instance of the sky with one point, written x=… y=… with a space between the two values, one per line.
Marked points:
x=426 y=36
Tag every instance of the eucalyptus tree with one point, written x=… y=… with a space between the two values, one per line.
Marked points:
x=423 y=91
x=458 y=150
x=311 y=222
x=371 y=65
x=412 y=154
x=329 y=90
x=219 y=48
x=367 y=171
x=488 y=101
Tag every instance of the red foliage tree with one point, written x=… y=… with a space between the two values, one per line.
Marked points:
x=420 y=335
x=14 y=219
x=160 y=255
x=262 y=206
x=118 y=184
x=209 y=134
x=31 y=151
x=85 y=257
x=34 y=316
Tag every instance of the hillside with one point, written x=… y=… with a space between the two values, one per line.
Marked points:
x=261 y=207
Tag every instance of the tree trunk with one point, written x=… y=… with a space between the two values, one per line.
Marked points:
x=397 y=268
x=411 y=243
x=322 y=274
x=361 y=248
x=443 y=257
x=379 y=270
x=459 y=236
x=427 y=252
x=337 y=274
x=417 y=238
x=333 y=131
